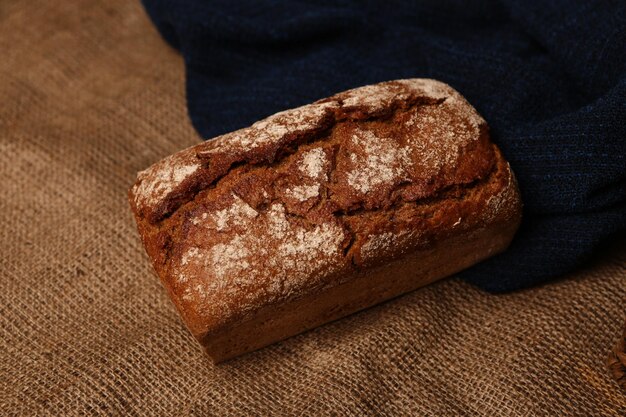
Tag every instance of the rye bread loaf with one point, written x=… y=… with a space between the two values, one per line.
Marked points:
x=319 y=211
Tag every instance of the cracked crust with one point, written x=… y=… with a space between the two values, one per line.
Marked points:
x=316 y=197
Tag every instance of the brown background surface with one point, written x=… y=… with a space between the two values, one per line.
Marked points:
x=90 y=95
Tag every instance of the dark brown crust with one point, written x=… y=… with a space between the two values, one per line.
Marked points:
x=442 y=179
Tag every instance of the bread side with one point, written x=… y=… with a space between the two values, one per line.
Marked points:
x=315 y=197
x=368 y=287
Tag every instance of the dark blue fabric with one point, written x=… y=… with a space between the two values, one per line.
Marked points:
x=548 y=76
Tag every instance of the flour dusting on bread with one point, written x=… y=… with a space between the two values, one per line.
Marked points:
x=313 y=163
x=382 y=161
x=157 y=183
x=245 y=261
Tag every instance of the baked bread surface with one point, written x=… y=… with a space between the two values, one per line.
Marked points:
x=316 y=198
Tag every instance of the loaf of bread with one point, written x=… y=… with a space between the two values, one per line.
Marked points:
x=317 y=212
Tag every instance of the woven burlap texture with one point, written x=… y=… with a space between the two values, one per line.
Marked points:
x=617 y=360
x=90 y=94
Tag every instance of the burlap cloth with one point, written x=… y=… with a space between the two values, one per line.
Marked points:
x=89 y=95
